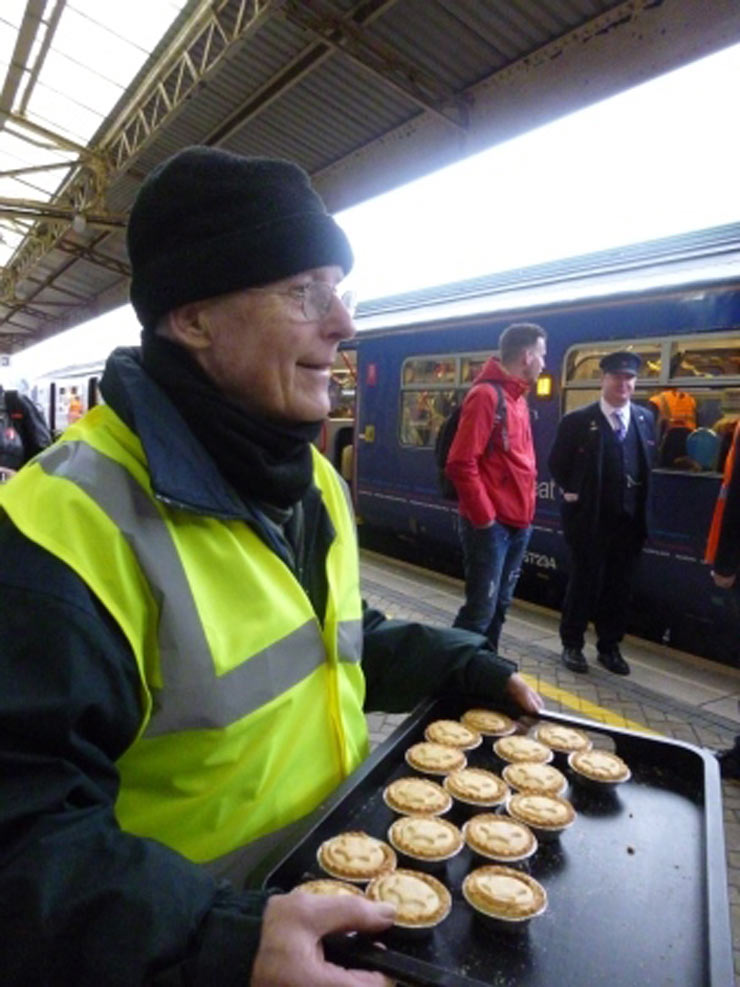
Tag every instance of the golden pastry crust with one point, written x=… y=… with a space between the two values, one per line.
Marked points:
x=499 y=837
x=425 y=837
x=416 y=796
x=502 y=892
x=517 y=748
x=451 y=733
x=600 y=766
x=531 y=776
x=476 y=786
x=436 y=759
x=421 y=900
x=355 y=856
x=327 y=886
x=541 y=811
x=563 y=739
x=488 y=722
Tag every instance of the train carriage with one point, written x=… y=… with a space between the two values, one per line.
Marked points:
x=677 y=304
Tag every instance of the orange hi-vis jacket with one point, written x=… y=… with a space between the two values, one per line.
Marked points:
x=719 y=508
x=675 y=408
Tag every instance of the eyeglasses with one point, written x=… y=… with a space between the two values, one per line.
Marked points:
x=316 y=298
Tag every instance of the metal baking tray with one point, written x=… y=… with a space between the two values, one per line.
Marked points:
x=637 y=887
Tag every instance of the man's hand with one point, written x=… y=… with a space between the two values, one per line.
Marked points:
x=723 y=582
x=526 y=698
x=290 y=952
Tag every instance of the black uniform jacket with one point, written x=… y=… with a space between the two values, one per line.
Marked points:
x=81 y=902
x=575 y=463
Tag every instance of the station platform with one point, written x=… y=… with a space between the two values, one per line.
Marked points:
x=669 y=692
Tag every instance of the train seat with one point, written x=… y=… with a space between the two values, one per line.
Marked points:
x=702 y=445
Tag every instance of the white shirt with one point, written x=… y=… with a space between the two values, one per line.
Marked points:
x=608 y=411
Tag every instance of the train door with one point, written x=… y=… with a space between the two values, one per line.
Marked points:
x=336 y=439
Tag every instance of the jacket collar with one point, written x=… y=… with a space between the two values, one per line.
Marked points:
x=182 y=473
x=493 y=370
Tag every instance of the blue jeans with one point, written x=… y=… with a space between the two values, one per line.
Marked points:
x=492 y=559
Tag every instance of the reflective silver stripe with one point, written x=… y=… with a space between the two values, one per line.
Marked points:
x=193 y=696
x=236 y=865
x=350 y=640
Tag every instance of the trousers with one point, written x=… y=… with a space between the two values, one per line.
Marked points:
x=492 y=560
x=600 y=585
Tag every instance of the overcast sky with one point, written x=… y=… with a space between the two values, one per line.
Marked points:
x=659 y=159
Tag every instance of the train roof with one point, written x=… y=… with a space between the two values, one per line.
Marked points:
x=702 y=259
x=366 y=96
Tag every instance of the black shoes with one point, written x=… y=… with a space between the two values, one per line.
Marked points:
x=573 y=659
x=729 y=761
x=613 y=661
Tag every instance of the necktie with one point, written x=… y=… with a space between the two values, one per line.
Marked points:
x=619 y=429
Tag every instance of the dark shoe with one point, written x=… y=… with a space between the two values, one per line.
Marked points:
x=729 y=764
x=613 y=661
x=573 y=659
x=729 y=761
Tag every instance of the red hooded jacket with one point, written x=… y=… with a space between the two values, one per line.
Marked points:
x=494 y=484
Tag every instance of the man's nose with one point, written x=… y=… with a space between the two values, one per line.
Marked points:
x=339 y=321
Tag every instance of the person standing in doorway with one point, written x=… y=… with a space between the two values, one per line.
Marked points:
x=601 y=459
x=492 y=465
x=723 y=554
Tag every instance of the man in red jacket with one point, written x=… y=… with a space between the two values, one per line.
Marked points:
x=491 y=462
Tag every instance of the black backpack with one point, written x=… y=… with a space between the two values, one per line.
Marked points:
x=448 y=429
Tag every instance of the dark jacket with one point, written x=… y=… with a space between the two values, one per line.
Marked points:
x=28 y=422
x=82 y=902
x=576 y=461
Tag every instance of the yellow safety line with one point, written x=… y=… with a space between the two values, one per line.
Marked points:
x=599 y=713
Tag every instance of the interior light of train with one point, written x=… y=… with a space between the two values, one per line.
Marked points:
x=544 y=386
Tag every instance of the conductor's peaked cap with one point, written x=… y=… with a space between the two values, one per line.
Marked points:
x=208 y=222
x=621 y=362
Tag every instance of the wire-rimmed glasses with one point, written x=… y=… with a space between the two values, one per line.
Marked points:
x=315 y=298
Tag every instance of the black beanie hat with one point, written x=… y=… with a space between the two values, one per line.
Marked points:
x=207 y=222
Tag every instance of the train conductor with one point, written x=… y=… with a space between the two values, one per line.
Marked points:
x=601 y=459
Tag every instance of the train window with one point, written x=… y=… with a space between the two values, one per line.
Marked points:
x=471 y=366
x=706 y=358
x=429 y=371
x=422 y=412
x=582 y=364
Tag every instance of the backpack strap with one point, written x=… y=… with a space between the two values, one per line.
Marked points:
x=499 y=421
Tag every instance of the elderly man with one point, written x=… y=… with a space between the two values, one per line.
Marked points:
x=184 y=657
x=601 y=459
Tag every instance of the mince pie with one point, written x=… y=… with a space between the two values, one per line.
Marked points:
x=453 y=734
x=517 y=748
x=416 y=796
x=531 y=776
x=489 y=723
x=421 y=900
x=355 y=856
x=476 y=786
x=435 y=759
x=499 y=837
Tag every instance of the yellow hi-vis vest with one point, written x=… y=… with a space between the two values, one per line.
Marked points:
x=251 y=711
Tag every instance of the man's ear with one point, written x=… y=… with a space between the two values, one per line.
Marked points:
x=190 y=326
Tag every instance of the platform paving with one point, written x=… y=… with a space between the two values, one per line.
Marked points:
x=674 y=694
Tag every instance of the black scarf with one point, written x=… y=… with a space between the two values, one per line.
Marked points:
x=263 y=460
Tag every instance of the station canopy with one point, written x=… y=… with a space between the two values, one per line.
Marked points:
x=364 y=94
